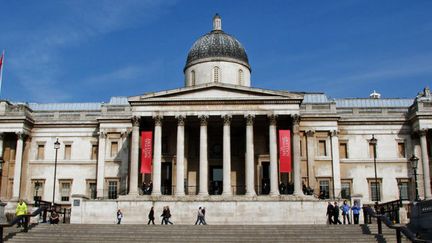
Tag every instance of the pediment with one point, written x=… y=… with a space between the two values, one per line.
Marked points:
x=217 y=92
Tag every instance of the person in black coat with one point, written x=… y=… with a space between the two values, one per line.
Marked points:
x=336 y=214
x=151 y=216
x=330 y=213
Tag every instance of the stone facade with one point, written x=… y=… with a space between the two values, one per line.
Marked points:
x=215 y=144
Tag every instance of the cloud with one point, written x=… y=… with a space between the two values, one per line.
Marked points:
x=36 y=52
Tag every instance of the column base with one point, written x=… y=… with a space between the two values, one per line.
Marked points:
x=227 y=194
x=274 y=194
x=203 y=194
x=179 y=194
x=156 y=194
x=250 y=194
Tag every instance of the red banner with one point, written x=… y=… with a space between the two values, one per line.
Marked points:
x=285 y=150
x=146 y=152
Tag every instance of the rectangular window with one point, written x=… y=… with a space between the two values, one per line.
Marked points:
x=403 y=185
x=92 y=193
x=401 y=150
x=112 y=189
x=346 y=189
x=324 y=188
x=343 y=150
x=114 y=149
x=68 y=150
x=38 y=188
x=40 y=152
x=65 y=190
x=322 y=148
x=94 y=152
x=375 y=190
x=371 y=150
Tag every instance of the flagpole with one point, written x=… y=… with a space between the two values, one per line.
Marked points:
x=1 y=70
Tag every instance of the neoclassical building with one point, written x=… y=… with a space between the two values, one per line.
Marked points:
x=215 y=143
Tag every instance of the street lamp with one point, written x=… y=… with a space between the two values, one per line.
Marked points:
x=414 y=162
x=56 y=147
x=373 y=141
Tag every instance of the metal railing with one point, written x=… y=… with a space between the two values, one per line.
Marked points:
x=369 y=213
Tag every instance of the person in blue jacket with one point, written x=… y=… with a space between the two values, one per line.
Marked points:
x=345 y=212
x=356 y=212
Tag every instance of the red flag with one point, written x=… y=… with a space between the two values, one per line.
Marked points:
x=146 y=152
x=285 y=150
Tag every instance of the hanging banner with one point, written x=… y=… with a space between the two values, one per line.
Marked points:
x=146 y=152
x=284 y=151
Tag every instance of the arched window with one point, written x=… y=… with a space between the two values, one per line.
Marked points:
x=216 y=74
x=192 y=77
x=240 y=77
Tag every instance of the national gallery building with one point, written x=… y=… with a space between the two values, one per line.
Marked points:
x=216 y=142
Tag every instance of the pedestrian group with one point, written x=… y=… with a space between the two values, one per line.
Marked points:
x=334 y=209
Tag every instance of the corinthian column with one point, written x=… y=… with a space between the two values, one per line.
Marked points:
x=274 y=190
x=100 y=182
x=425 y=161
x=310 y=157
x=296 y=156
x=250 y=161
x=133 y=177
x=203 y=160
x=157 y=156
x=227 y=156
x=180 y=157
x=18 y=166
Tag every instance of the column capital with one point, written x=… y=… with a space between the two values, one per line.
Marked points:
x=227 y=119
x=296 y=119
x=422 y=132
x=21 y=135
x=273 y=119
x=158 y=120
x=310 y=133
x=334 y=133
x=136 y=121
x=102 y=134
x=250 y=119
x=203 y=120
x=181 y=119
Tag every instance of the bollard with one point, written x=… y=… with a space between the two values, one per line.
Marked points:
x=398 y=236
x=379 y=225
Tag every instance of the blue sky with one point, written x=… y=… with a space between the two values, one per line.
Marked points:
x=86 y=51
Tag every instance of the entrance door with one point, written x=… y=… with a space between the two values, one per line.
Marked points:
x=166 y=178
x=216 y=179
x=265 y=177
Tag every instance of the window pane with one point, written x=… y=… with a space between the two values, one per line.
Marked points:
x=401 y=150
x=325 y=188
x=343 y=151
x=92 y=189
x=375 y=191
x=112 y=189
x=38 y=187
x=65 y=191
x=346 y=190
x=403 y=190
x=322 y=148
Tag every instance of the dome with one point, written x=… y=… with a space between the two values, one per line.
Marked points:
x=217 y=46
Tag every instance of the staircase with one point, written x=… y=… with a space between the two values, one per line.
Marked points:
x=209 y=233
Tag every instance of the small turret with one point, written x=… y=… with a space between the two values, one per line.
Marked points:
x=375 y=95
x=217 y=22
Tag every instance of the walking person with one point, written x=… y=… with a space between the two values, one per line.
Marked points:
x=20 y=211
x=336 y=214
x=203 y=216
x=345 y=212
x=168 y=216
x=329 y=213
x=119 y=216
x=356 y=212
x=151 y=216
x=199 y=217
x=164 y=218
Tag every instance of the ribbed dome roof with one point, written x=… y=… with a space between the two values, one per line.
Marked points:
x=217 y=46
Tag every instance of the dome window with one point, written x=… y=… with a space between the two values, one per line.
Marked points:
x=192 y=77
x=240 y=77
x=216 y=74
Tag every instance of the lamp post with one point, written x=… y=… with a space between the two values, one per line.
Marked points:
x=373 y=141
x=56 y=147
x=414 y=163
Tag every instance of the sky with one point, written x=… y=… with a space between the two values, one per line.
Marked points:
x=89 y=51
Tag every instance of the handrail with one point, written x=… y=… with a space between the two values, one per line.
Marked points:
x=26 y=221
x=399 y=228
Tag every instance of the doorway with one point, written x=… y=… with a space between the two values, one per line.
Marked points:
x=265 y=178
x=216 y=180
x=166 y=178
